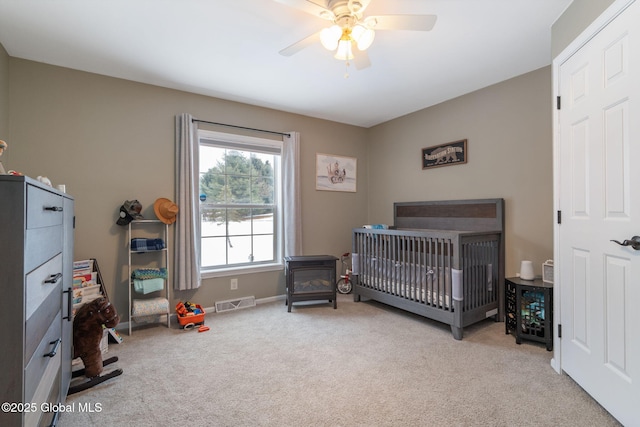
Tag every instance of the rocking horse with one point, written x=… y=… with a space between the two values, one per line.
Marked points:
x=87 y=333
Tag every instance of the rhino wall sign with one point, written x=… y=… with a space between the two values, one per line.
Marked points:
x=453 y=153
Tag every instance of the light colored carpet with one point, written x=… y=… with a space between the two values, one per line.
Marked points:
x=364 y=364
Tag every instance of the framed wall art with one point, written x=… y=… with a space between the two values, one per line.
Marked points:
x=336 y=173
x=453 y=153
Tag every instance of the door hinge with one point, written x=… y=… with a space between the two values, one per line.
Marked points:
x=558 y=102
x=559 y=217
x=559 y=331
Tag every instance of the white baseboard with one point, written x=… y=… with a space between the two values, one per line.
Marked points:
x=271 y=299
x=124 y=326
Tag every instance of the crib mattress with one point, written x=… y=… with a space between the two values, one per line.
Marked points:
x=423 y=294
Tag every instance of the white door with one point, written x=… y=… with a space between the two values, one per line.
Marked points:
x=599 y=200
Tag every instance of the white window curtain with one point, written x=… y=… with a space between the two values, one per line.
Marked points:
x=187 y=233
x=291 y=194
x=186 y=246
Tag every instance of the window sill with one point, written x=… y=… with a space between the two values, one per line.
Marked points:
x=210 y=274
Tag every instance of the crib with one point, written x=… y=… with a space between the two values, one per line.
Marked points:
x=443 y=260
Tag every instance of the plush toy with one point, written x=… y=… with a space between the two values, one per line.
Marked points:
x=45 y=180
x=87 y=333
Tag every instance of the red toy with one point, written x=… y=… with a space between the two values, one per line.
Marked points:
x=190 y=315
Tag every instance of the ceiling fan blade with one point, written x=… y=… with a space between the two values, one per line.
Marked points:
x=309 y=7
x=300 y=44
x=402 y=22
x=361 y=60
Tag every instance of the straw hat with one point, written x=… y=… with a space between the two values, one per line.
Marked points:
x=165 y=210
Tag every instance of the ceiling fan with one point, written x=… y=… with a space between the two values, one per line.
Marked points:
x=350 y=27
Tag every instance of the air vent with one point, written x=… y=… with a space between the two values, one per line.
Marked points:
x=235 y=304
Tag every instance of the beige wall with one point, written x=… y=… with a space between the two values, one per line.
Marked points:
x=110 y=140
x=508 y=128
x=573 y=21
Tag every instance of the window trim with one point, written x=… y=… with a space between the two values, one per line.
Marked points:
x=263 y=145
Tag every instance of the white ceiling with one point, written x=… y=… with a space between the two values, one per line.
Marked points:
x=229 y=49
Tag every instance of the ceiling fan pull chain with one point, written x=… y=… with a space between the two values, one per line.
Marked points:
x=346 y=69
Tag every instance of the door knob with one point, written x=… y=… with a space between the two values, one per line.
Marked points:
x=634 y=242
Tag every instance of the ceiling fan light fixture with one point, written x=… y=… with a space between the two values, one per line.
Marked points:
x=329 y=37
x=349 y=27
x=344 y=52
x=363 y=36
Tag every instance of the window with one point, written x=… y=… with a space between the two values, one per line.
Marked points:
x=240 y=186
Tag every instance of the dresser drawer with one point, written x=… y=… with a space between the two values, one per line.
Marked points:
x=45 y=304
x=41 y=282
x=44 y=419
x=43 y=208
x=44 y=360
x=42 y=244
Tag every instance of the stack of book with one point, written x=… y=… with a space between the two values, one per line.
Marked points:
x=85 y=283
x=88 y=286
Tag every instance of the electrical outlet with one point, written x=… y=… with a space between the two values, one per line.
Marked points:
x=234 y=284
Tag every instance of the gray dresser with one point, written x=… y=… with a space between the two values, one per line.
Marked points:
x=36 y=245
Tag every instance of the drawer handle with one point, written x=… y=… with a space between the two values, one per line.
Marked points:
x=53 y=208
x=53 y=278
x=55 y=345
x=69 y=316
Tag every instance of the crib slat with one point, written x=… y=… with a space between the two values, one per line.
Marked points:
x=436 y=277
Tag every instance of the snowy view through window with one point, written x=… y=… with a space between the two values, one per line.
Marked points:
x=237 y=206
